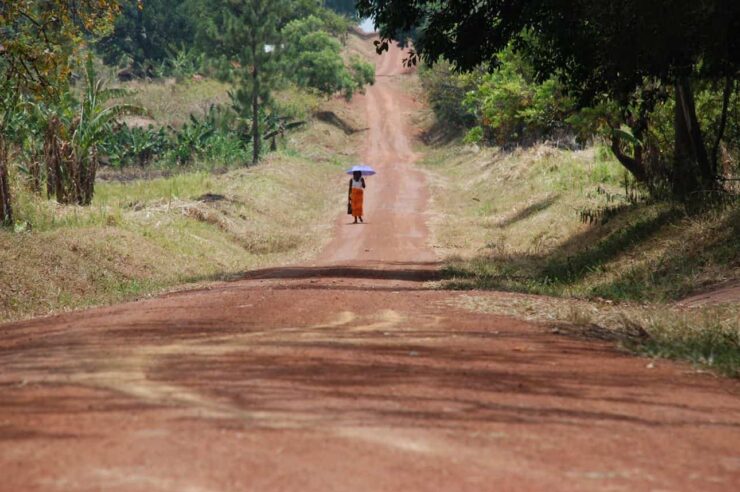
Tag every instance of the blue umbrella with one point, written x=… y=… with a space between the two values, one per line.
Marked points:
x=365 y=170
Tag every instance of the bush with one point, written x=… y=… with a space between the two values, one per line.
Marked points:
x=512 y=107
x=134 y=146
x=313 y=60
x=215 y=138
x=446 y=91
x=363 y=73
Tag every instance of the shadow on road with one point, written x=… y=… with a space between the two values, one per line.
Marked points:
x=405 y=271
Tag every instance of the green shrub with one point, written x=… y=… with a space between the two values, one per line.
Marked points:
x=362 y=72
x=313 y=60
x=474 y=135
x=446 y=91
x=513 y=108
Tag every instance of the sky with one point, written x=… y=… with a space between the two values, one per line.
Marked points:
x=367 y=25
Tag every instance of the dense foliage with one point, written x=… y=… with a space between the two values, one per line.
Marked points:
x=149 y=31
x=59 y=123
x=150 y=34
x=40 y=41
x=623 y=59
x=346 y=7
x=503 y=107
x=313 y=60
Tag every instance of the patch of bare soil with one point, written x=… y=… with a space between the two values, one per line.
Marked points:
x=724 y=293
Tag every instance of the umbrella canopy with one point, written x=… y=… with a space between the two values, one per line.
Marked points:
x=365 y=170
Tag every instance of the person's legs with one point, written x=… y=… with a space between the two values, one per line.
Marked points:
x=357 y=199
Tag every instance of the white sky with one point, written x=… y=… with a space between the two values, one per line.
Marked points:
x=367 y=25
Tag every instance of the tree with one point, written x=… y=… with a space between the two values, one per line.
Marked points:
x=146 y=31
x=248 y=32
x=635 y=53
x=74 y=131
x=346 y=7
x=39 y=39
x=332 y=22
x=313 y=59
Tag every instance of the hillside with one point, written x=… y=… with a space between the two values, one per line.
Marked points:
x=157 y=228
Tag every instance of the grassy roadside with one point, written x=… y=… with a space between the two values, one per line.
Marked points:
x=145 y=236
x=516 y=222
x=159 y=227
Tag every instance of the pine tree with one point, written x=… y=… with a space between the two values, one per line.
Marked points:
x=248 y=32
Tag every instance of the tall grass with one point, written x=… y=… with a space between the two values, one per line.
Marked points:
x=706 y=337
x=171 y=103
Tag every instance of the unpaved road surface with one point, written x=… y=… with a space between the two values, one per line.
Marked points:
x=350 y=375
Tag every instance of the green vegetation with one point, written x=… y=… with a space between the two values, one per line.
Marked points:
x=39 y=45
x=59 y=134
x=248 y=33
x=346 y=7
x=110 y=194
x=611 y=256
x=642 y=207
x=505 y=107
x=72 y=136
x=314 y=60
x=145 y=236
x=116 y=193
x=509 y=107
x=621 y=64
x=146 y=31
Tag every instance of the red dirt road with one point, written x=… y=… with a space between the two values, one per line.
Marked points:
x=349 y=375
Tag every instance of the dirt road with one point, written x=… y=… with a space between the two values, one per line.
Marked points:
x=349 y=375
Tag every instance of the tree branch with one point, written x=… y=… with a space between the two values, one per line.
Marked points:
x=633 y=165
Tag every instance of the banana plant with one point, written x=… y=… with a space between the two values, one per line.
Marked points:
x=73 y=140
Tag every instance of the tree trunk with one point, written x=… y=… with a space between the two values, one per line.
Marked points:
x=6 y=208
x=35 y=170
x=140 y=53
x=633 y=164
x=255 y=112
x=692 y=168
x=53 y=159
x=729 y=83
x=88 y=184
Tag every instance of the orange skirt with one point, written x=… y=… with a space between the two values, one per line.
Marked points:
x=358 y=195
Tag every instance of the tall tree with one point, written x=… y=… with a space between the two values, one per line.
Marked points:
x=39 y=38
x=313 y=59
x=628 y=50
x=248 y=33
x=147 y=30
x=346 y=7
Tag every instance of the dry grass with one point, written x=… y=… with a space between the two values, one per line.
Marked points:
x=510 y=222
x=517 y=227
x=171 y=103
x=358 y=46
x=143 y=236
x=707 y=337
x=146 y=236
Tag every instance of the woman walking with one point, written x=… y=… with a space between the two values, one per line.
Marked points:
x=356 y=195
